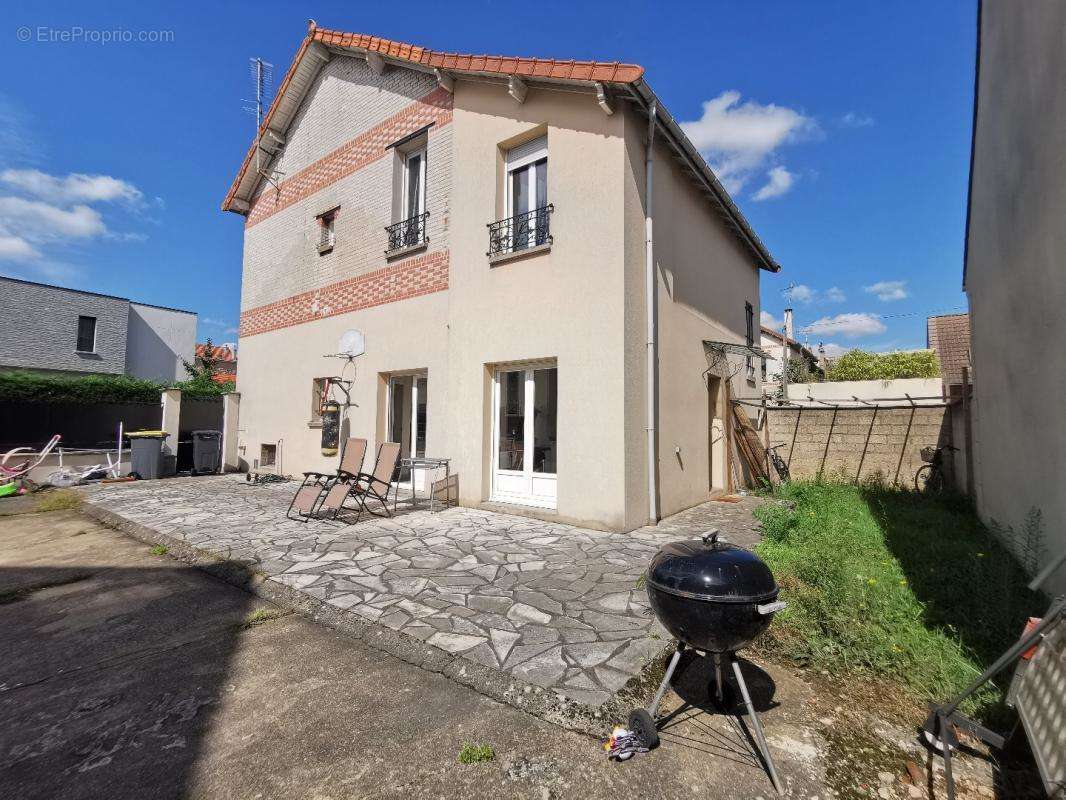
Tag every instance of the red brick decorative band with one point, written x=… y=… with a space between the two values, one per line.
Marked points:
x=364 y=149
x=412 y=278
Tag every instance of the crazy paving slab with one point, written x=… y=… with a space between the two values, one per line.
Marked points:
x=551 y=604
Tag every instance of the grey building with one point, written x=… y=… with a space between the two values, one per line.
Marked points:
x=1014 y=276
x=53 y=329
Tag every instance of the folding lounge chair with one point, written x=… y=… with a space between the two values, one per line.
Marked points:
x=318 y=489
x=377 y=485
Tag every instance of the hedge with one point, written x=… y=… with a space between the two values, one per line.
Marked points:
x=859 y=365
x=42 y=388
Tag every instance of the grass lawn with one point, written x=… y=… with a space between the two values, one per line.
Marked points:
x=909 y=589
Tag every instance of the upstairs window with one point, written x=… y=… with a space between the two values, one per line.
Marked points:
x=86 y=335
x=327 y=233
x=526 y=206
x=408 y=230
x=414 y=183
x=749 y=338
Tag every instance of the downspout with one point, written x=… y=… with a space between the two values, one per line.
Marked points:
x=651 y=296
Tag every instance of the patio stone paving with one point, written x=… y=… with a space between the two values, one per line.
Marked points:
x=546 y=603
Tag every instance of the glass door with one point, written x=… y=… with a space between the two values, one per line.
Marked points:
x=525 y=412
x=408 y=403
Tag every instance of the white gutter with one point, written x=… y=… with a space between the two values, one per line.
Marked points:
x=651 y=297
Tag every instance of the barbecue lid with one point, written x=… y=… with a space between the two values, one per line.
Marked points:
x=707 y=569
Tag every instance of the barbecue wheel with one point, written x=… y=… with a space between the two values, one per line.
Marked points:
x=641 y=723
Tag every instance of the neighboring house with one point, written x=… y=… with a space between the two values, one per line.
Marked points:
x=53 y=329
x=482 y=221
x=1014 y=276
x=772 y=342
x=223 y=359
x=949 y=337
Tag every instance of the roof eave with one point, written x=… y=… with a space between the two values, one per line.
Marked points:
x=699 y=165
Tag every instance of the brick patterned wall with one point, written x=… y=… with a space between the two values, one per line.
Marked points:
x=856 y=443
x=335 y=156
x=412 y=278
x=364 y=149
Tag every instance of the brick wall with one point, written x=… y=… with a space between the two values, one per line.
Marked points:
x=336 y=156
x=410 y=278
x=856 y=443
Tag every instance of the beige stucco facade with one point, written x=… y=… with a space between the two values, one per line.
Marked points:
x=1014 y=273
x=578 y=306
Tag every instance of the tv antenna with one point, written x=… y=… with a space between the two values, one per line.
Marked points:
x=263 y=86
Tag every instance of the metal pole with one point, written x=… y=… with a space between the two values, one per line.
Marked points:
x=653 y=709
x=652 y=313
x=760 y=739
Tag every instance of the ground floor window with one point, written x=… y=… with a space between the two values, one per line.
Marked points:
x=408 y=404
x=525 y=422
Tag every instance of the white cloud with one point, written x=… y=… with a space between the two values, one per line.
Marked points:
x=15 y=248
x=834 y=294
x=218 y=323
x=780 y=181
x=855 y=120
x=850 y=326
x=35 y=219
x=73 y=188
x=769 y=320
x=802 y=293
x=888 y=291
x=41 y=213
x=738 y=138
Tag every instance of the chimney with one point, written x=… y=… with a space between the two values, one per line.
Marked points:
x=788 y=324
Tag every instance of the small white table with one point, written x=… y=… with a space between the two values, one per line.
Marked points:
x=427 y=466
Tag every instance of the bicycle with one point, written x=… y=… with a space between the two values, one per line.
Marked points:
x=930 y=476
x=778 y=463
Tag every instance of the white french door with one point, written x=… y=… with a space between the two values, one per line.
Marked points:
x=407 y=403
x=524 y=449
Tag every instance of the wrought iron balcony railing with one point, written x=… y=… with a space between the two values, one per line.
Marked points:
x=407 y=233
x=520 y=232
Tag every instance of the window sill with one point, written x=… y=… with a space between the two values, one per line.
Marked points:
x=514 y=255
x=406 y=251
x=325 y=248
x=314 y=423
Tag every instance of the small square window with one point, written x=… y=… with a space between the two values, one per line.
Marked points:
x=86 y=335
x=268 y=454
x=327 y=236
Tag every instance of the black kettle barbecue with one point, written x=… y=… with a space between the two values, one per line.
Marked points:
x=714 y=598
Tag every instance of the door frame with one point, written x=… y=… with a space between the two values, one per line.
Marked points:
x=526 y=498
x=412 y=415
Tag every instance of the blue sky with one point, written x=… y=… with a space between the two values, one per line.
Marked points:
x=844 y=129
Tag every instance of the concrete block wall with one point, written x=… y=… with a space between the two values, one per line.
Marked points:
x=858 y=443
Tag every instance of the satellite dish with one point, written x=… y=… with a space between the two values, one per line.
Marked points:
x=351 y=344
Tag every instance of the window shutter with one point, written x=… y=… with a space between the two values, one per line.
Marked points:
x=534 y=147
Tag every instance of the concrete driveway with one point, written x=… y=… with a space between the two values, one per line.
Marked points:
x=127 y=674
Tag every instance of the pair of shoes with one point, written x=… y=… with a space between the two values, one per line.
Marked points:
x=624 y=744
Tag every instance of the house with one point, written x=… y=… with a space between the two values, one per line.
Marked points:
x=948 y=335
x=486 y=223
x=222 y=359
x=773 y=343
x=1014 y=278
x=59 y=330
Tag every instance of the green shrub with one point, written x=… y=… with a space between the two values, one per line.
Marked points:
x=33 y=387
x=859 y=365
